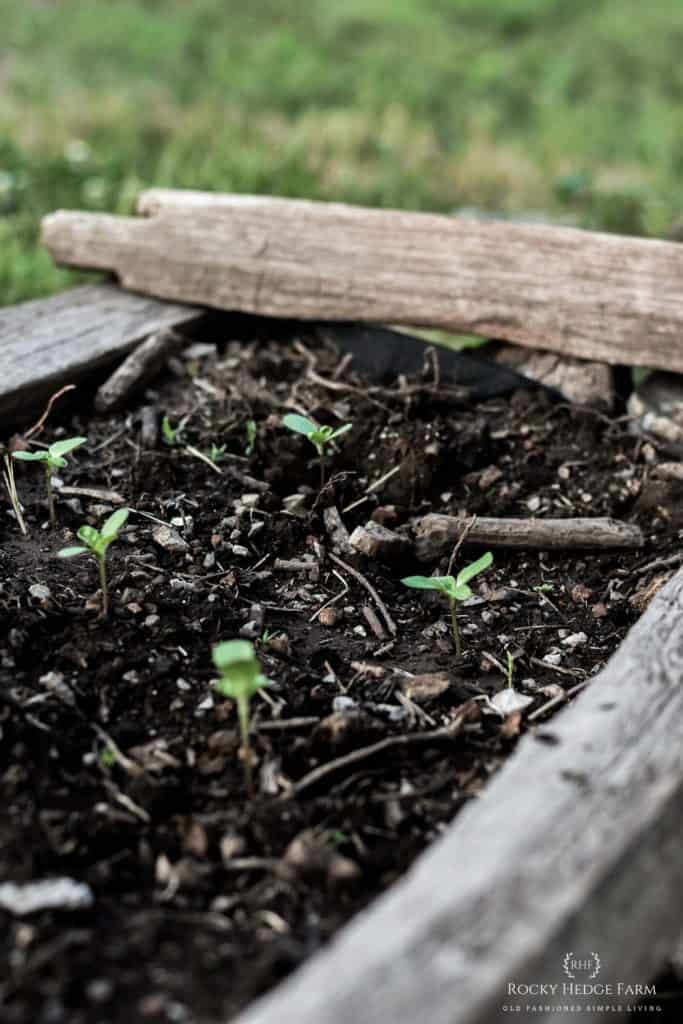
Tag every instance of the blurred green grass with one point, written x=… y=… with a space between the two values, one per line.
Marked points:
x=569 y=109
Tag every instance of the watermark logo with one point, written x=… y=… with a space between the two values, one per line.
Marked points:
x=586 y=967
x=581 y=985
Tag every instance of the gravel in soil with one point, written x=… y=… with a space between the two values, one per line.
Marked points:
x=120 y=766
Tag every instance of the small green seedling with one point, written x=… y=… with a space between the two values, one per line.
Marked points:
x=53 y=458
x=453 y=588
x=510 y=668
x=319 y=437
x=96 y=542
x=170 y=434
x=543 y=588
x=252 y=431
x=217 y=453
x=241 y=678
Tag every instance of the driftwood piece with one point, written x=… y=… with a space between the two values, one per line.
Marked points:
x=435 y=534
x=572 y=853
x=48 y=342
x=586 y=294
x=138 y=367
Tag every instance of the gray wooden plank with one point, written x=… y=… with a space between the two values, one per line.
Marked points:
x=575 y=848
x=46 y=343
x=581 y=293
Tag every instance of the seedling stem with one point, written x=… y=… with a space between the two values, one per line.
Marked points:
x=240 y=679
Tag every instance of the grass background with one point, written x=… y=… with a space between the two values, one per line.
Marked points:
x=566 y=110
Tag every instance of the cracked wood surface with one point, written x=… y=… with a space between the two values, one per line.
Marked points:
x=46 y=343
x=586 y=294
x=575 y=847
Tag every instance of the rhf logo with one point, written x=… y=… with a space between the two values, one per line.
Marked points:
x=586 y=967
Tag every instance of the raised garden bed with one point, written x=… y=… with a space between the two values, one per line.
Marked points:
x=122 y=766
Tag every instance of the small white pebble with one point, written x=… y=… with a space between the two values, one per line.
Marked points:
x=552 y=658
x=575 y=640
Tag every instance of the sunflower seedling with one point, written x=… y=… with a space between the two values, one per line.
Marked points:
x=52 y=458
x=96 y=542
x=240 y=679
x=319 y=437
x=217 y=453
x=252 y=432
x=170 y=434
x=454 y=588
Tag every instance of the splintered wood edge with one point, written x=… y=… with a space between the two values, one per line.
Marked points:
x=574 y=848
x=587 y=294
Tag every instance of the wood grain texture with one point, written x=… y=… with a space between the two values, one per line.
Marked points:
x=435 y=534
x=591 y=295
x=49 y=342
x=575 y=847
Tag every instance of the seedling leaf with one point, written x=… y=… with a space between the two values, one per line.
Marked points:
x=72 y=552
x=473 y=569
x=113 y=524
x=232 y=652
x=426 y=582
x=60 y=448
x=299 y=424
x=340 y=430
x=40 y=456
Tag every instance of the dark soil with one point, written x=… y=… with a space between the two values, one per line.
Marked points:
x=120 y=766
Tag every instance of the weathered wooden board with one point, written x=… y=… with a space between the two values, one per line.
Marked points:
x=596 y=296
x=573 y=851
x=50 y=342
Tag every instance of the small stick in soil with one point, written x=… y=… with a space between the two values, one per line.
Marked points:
x=141 y=364
x=149 y=426
x=337 y=531
x=574 y=673
x=376 y=486
x=440 y=735
x=554 y=701
x=38 y=426
x=295 y=565
x=373 y=622
x=459 y=543
x=284 y=724
x=391 y=625
x=191 y=450
x=435 y=533
x=332 y=600
x=13 y=495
